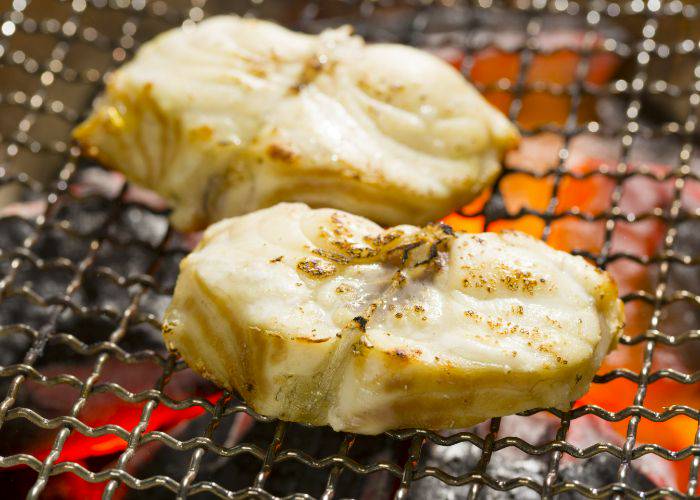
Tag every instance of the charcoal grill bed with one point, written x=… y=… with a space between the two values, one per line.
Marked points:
x=86 y=262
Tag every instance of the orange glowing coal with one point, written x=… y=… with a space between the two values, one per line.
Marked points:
x=584 y=190
x=87 y=451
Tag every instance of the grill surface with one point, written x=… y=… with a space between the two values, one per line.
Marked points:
x=53 y=56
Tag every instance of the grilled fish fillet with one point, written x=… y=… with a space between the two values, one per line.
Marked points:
x=323 y=317
x=234 y=114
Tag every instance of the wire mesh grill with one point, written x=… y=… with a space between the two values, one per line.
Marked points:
x=53 y=58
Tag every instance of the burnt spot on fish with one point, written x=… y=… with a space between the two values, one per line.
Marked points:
x=281 y=153
x=405 y=354
x=332 y=256
x=316 y=268
x=361 y=322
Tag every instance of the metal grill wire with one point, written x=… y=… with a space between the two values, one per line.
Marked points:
x=50 y=78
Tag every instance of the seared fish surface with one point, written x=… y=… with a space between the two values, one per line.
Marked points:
x=323 y=317
x=234 y=114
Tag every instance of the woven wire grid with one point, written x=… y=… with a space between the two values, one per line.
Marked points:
x=112 y=32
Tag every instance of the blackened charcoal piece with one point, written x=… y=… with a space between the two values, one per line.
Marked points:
x=463 y=458
x=86 y=216
x=141 y=224
x=510 y=463
x=13 y=346
x=13 y=231
x=599 y=471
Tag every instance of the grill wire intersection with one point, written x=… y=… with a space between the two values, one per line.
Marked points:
x=58 y=85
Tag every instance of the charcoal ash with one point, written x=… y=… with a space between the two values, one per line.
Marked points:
x=461 y=458
x=599 y=471
x=510 y=462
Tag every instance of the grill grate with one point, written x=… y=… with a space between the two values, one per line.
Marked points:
x=53 y=56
